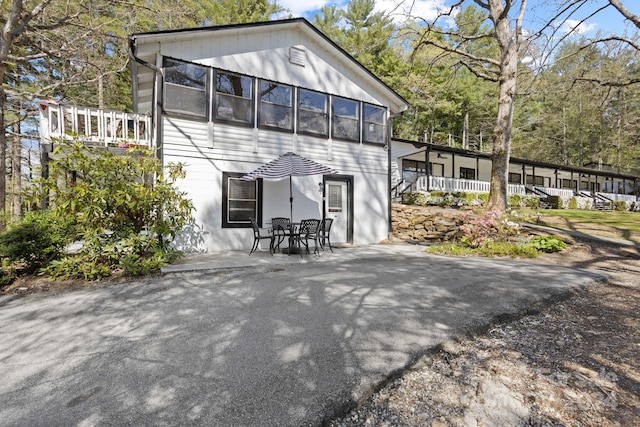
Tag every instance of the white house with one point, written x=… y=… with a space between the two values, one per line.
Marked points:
x=226 y=100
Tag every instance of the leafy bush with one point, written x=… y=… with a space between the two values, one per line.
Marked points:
x=415 y=198
x=620 y=205
x=547 y=243
x=489 y=226
x=39 y=238
x=573 y=203
x=125 y=208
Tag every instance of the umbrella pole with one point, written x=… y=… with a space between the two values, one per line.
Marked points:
x=290 y=200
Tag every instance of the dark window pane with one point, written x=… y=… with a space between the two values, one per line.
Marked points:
x=242 y=202
x=375 y=128
x=313 y=101
x=275 y=93
x=467 y=173
x=185 y=89
x=234 y=97
x=313 y=116
x=276 y=105
x=241 y=189
x=241 y=211
x=185 y=74
x=345 y=119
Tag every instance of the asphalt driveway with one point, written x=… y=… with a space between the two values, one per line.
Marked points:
x=284 y=345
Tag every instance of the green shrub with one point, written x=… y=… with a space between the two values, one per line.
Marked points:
x=447 y=200
x=514 y=250
x=76 y=267
x=555 y=202
x=126 y=209
x=620 y=205
x=573 y=203
x=532 y=202
x=415 y=198
x=39 y=238
x=515 y=200
x=547 y=244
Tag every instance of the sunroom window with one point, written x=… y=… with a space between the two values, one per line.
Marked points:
x=185 y=88
x=234 y=98
x=276 y=105
x=313 y=116
x=375 y=128
x=345 y=120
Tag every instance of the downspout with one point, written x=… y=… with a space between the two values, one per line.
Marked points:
x=156 y=112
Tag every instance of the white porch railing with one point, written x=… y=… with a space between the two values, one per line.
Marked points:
x=563 y=192
x=453 y=185
x=613 y=196
x=107 y=127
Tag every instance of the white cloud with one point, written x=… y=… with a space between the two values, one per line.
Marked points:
x=576 y=26
x=304 y=7
x=400 y=9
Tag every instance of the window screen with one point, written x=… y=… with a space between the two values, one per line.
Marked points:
x=234 y=98
x=276 y=102
x=185 y=88
x=241 y=200
x=313 y=114
x=375 y=128
x=346 y=113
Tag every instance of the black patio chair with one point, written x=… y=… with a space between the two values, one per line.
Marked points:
x=259 y=234
x=281 y=228
x=324 y=233
x=308 y=230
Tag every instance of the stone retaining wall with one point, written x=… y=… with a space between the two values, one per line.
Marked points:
x=425 y=224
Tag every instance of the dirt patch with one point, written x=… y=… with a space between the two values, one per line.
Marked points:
x=33 y=284
x=573 y=363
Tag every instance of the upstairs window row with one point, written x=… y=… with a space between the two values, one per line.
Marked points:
x=232 y=99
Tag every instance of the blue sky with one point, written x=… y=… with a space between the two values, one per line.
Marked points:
x=608 y=21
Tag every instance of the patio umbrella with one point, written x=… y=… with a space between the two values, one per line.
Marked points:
x=286 y=166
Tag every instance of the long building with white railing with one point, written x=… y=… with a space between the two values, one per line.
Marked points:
x=418 y=166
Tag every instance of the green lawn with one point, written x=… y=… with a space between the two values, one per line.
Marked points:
x=622 y=225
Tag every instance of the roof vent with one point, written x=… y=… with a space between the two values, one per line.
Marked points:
x=298 y=56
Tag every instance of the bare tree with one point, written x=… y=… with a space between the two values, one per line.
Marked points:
x=626 y=12
x=502 y=69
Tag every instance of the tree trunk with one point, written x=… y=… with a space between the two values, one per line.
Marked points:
x=16 y=177
x=465 y=128
x=507 y=40
x=3 y=154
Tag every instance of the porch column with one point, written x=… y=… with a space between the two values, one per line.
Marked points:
x=524 y=175
x=427 y=167
x=533 y=175
x=556 y=173
x=478 y=170
x=453 y=165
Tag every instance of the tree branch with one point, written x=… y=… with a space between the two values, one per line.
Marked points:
x=625 y=12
